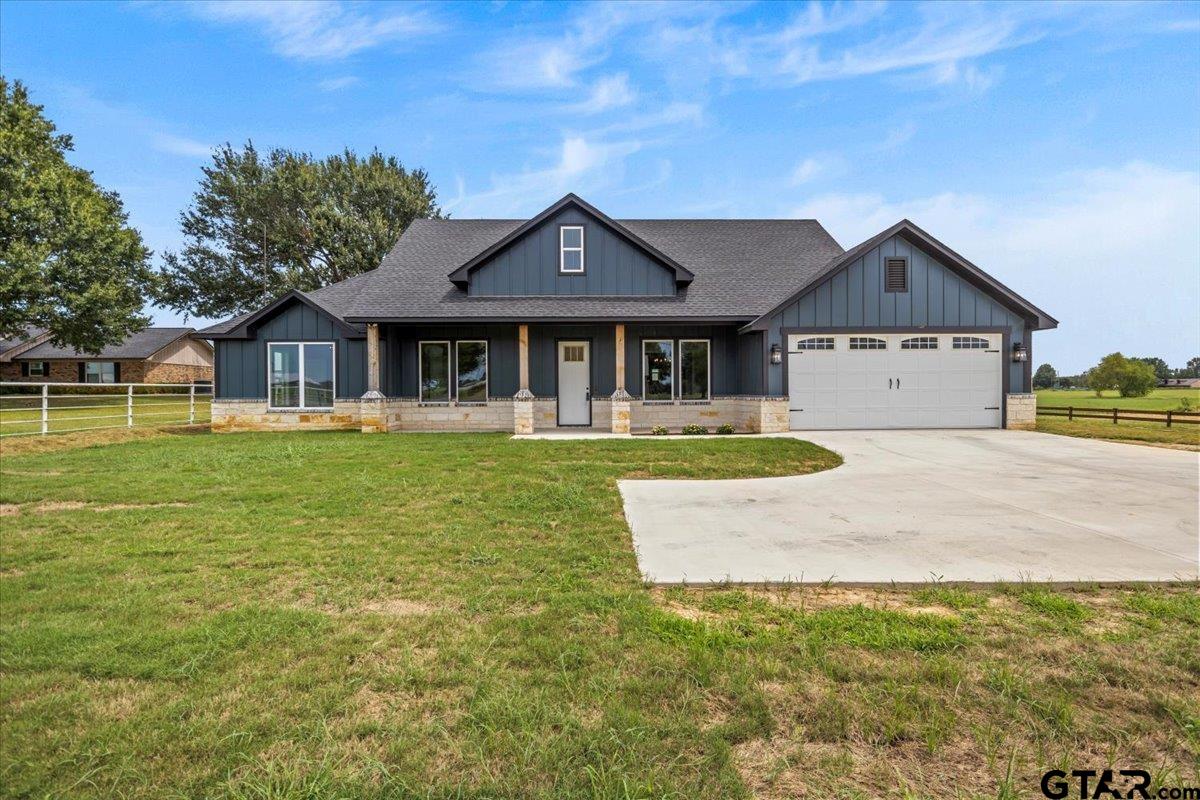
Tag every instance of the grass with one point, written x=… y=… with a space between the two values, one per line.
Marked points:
x=460 y=616
x=23 y=415
x=1157 y=400
x=1137 y=432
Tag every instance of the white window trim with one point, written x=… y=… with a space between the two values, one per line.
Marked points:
x=39 y=364
x=421 y=372
x=300 y=349
x=487 y=370
x=646 y=369
x=563 y=249
x=707 y=375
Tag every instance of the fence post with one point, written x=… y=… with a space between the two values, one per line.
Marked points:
x=1168 y=419
x=192 y=404
x=1070 y=413
x=1114 y=416
x=45 y=408
x=129 y=405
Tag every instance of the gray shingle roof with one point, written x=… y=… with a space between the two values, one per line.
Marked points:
x=142 y=344
x=30 y=333
x=742 y=268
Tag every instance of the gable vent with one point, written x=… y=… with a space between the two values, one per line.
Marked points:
x=895 y=275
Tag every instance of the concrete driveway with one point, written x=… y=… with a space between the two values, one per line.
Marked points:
x=909 y=506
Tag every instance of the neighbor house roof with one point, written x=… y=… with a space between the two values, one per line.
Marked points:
x=142 y=344
x=11 y=348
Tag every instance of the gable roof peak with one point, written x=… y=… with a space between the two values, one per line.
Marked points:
x=461 y=275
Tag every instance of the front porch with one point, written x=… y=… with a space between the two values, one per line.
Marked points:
x=397 y=354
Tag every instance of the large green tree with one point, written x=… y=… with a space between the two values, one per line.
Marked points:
x=1129 y=376
x=1044 y=377
x=263 y=223
x=69 y=262
x=1161 y=370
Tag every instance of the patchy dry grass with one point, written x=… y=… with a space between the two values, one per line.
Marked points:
x=441 y=616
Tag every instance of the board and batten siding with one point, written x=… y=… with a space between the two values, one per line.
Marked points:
x=399 y=365
x=241 y=364
x=612 y=266
x=937 y=297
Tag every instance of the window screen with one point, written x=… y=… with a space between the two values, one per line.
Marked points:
x=658 y=357
x=693 y=369
x=435 y=372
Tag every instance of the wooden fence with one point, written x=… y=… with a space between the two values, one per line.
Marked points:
x=1116 y=415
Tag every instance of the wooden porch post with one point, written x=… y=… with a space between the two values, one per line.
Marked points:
x=373 y=392
x=523 y=356
x=621 y=416
x=620 y=358
x=523 y=405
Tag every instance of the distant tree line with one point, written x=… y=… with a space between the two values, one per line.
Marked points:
x=1132 y=377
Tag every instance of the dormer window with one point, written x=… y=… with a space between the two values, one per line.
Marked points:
x=570 y=249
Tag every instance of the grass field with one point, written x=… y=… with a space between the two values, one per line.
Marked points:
x=460 y=616
x=1157 y=400
x=1124 y=431
x=21 y=415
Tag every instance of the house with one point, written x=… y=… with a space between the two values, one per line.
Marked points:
x=153 y=355
x=1180 y=383
x=572 y=318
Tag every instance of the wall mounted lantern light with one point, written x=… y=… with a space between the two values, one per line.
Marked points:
x=776 y=354
x=1020 y=353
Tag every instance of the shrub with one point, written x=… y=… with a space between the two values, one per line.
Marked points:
x=694 y=430
x=725 y=429
x=659 y=430
x=1185 y=404
x=1130 y=377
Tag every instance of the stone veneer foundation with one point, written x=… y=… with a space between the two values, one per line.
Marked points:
x=745 y=414
x=1021 y=412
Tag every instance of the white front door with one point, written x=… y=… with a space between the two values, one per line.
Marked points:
x=574 y=383
x=907 y=380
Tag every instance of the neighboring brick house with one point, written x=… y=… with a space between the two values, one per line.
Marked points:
x=153 y=355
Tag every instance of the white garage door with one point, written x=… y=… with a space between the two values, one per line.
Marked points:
x=866 y=380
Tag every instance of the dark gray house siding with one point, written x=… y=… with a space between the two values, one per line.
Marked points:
x=736 y=369
x=612 y=266
x=853 y=297
x=241 y=364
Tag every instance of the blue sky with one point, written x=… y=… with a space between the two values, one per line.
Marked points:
x=1057 y=146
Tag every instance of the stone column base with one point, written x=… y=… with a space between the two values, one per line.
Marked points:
x=523 y=412
x=1021 y=412
x=621 y=411
x=373 y=417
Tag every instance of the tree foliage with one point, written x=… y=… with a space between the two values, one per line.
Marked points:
x=1161 y=370
x=262 y=224
x=1044 y=377
x=1129 y=376
x=70 y=262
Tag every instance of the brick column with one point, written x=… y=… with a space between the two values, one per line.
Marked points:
x=620 y=397
x=523 y=399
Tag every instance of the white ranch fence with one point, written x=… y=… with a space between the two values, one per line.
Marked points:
x=29 y=408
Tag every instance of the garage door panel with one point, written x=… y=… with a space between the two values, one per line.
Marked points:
x=929 y=385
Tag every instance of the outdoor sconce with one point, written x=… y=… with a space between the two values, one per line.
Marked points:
x=1020 y=353
x=776 y=354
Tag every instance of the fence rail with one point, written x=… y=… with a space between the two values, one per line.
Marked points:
x=1115 y=415
x=29 y=408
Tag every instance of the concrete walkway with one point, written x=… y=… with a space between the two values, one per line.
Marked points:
x=911 y=506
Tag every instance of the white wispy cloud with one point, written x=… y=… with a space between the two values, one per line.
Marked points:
x=1066 y=244
x=179 y=145
x=158 y=134
x=317 y=29
x=608 y=92
x=898 y=136
x=337 y=84
x=806 y=170
x=581 y=165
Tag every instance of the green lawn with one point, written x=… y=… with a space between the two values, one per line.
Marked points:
x=337 y=615
x=1157 y=400
x=1142 y=432
x=20 y=415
